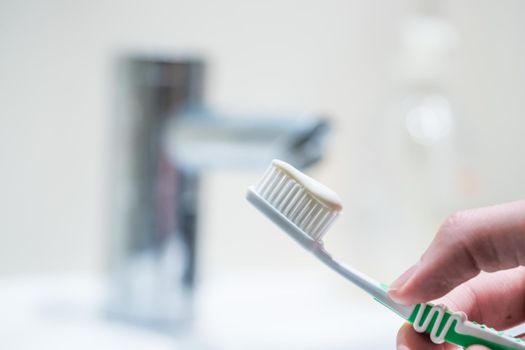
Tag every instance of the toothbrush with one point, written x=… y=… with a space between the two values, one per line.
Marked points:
x=305 y=209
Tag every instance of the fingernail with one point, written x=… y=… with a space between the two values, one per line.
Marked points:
x=402 y=347
x=394 y=295
x=399 y=283
x=477 y=347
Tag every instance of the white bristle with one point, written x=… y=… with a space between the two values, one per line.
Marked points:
x=294 y=201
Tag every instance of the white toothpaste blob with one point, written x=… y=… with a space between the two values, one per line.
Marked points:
x=319 y=191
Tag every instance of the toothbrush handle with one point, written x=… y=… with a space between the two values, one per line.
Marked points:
x=443 y=325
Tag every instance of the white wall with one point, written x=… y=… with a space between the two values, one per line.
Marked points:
x=277 y=55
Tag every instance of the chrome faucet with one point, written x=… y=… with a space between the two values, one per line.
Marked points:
x=166 y=138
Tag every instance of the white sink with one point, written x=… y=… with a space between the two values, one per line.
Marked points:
x=262 y=311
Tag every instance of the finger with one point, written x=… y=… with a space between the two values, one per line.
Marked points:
x=409 y=339
x=495 y=299
x=486 y=239
x=477 y=347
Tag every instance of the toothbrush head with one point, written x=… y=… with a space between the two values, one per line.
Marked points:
x=300 y=205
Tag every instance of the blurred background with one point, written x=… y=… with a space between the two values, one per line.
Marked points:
x=130 y=132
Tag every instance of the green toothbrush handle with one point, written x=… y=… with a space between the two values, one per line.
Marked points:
x=443 y=325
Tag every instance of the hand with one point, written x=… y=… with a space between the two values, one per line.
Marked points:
x=482 y=253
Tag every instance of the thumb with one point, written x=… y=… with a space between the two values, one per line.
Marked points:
x=486 y=239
